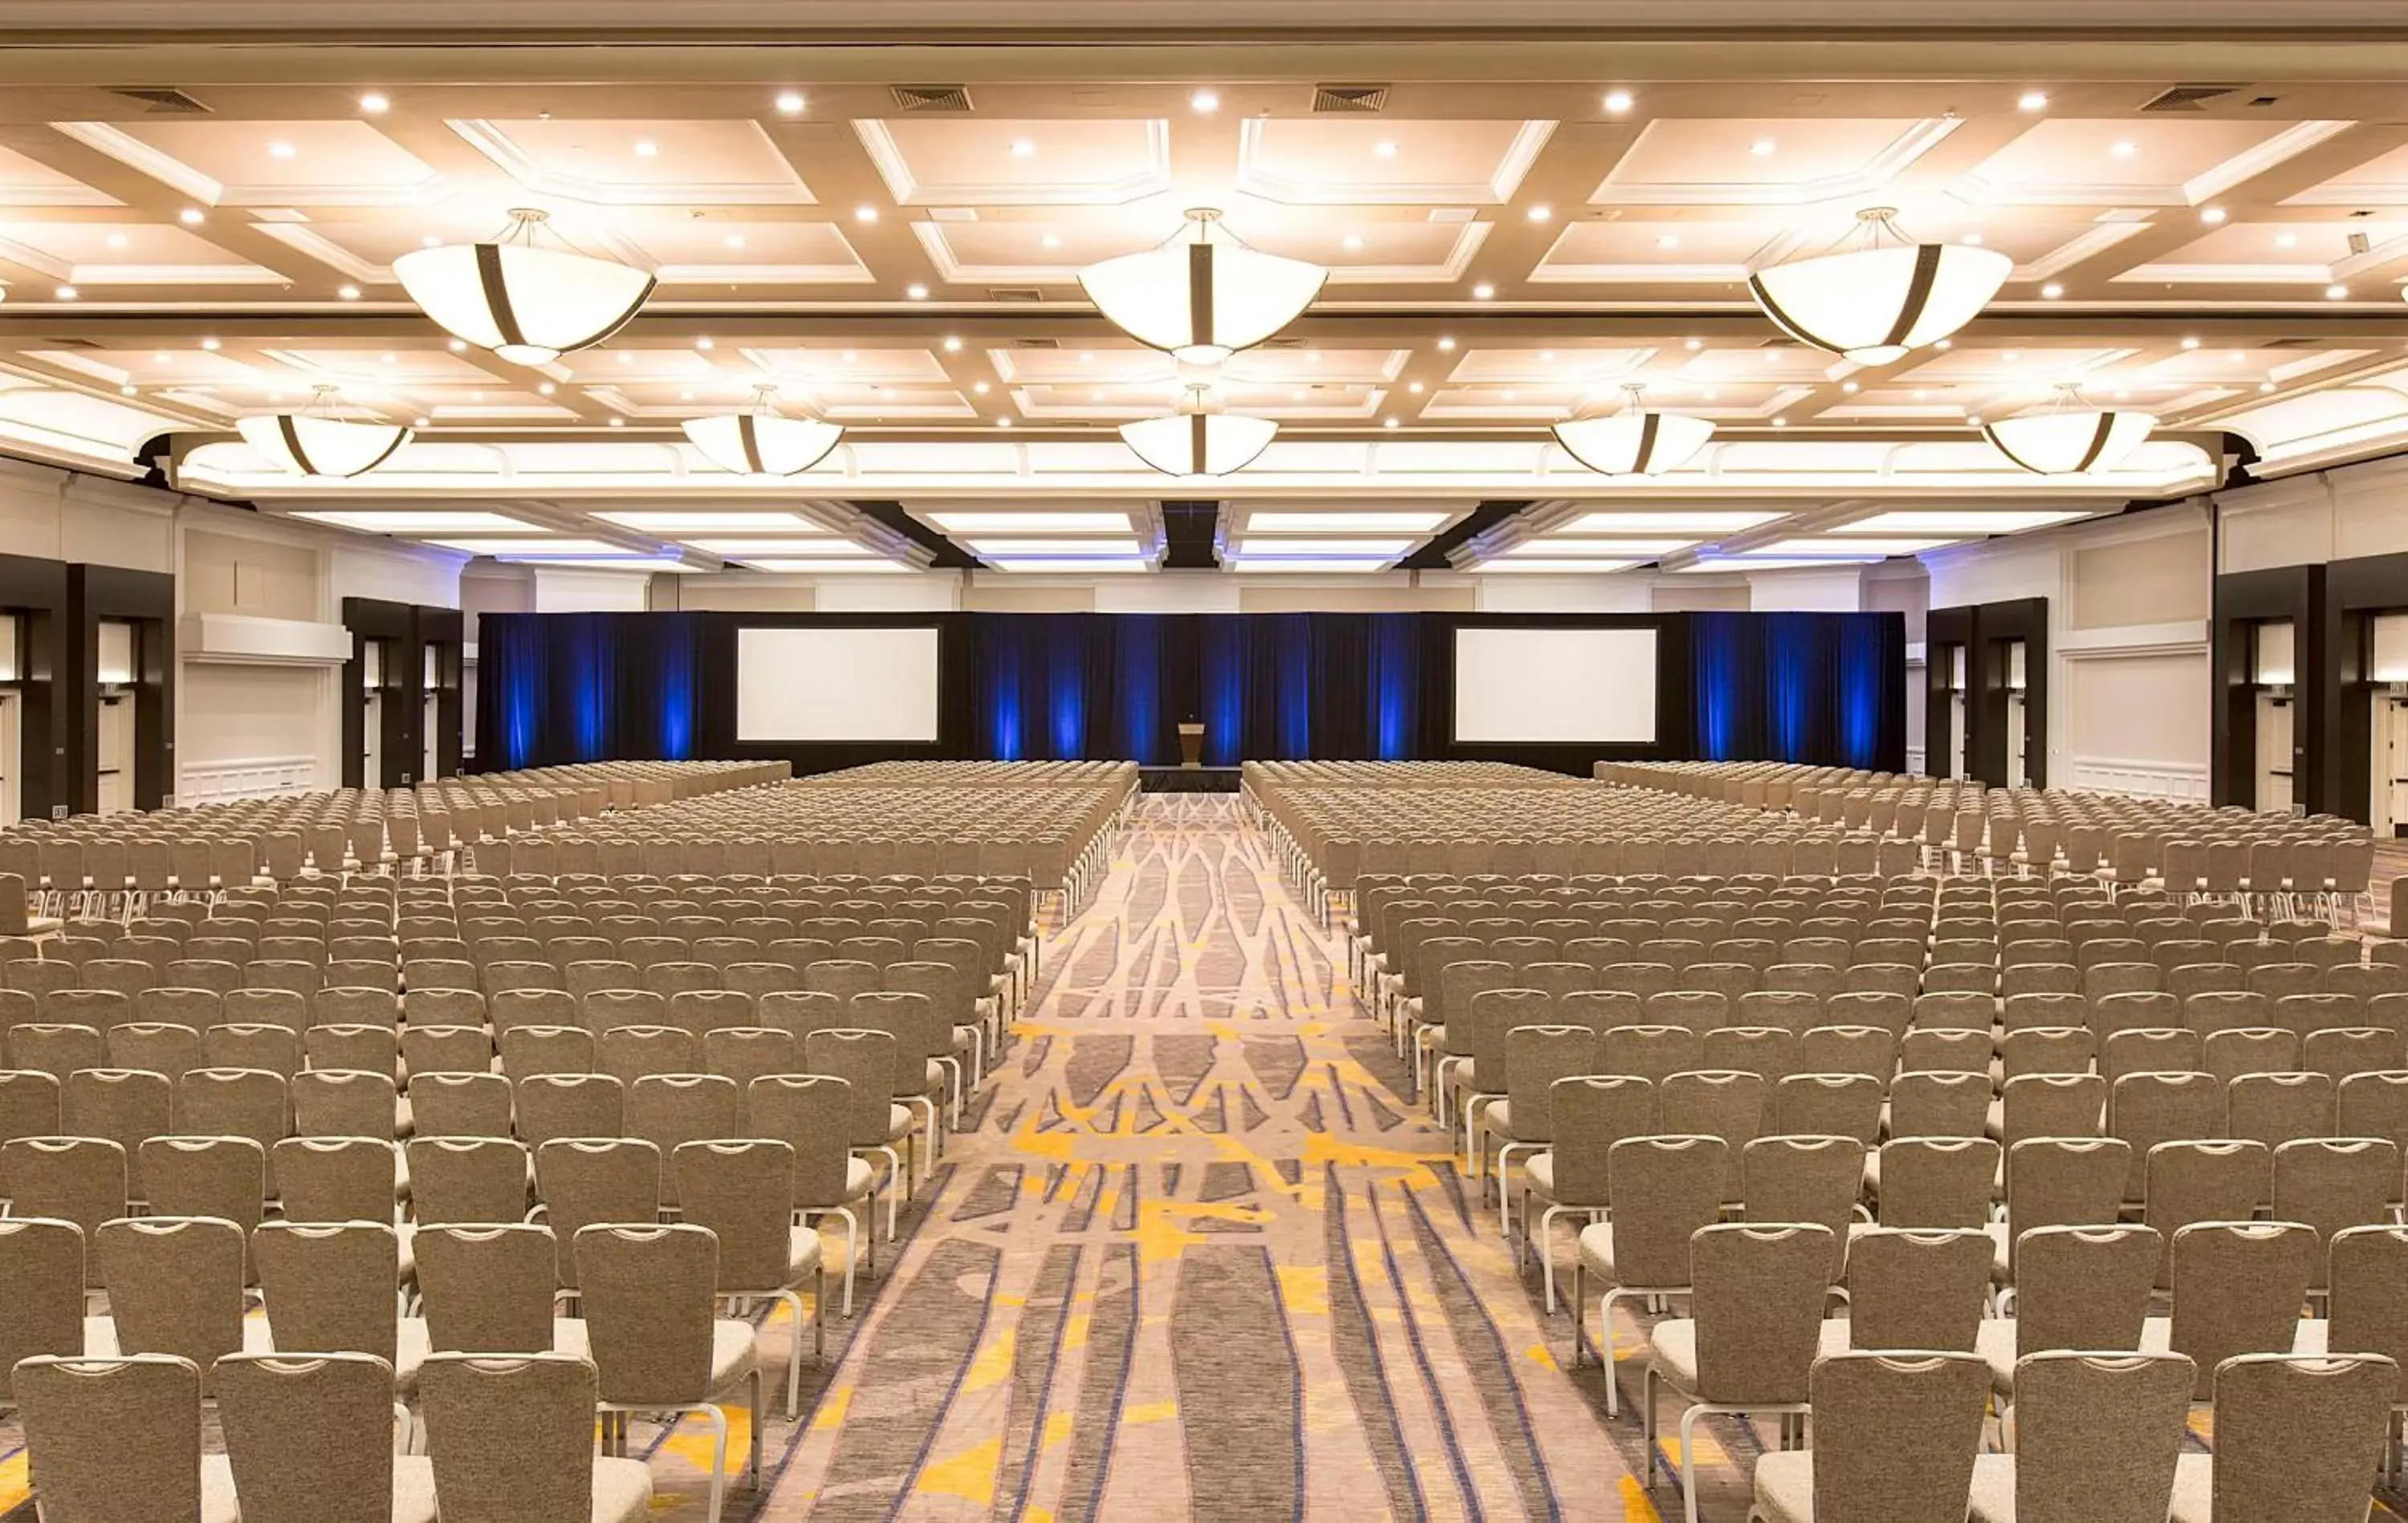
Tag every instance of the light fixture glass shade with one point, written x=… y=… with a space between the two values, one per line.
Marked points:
x=1203 y=298
x=1637 y=441
x=310 y=444
x=1199 y=439
x=756 y=443
x=2071 y=441
x=1876 y=303
x=528 y=304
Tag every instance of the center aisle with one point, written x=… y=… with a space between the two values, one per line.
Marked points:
x=1197 y=1258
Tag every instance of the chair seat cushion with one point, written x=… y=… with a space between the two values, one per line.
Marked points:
x=217 y=1502
x=2194 y=1489
x=1993 y=1339
x=1675 y=1352
x=1596 y=1251
x=1539 y=1171
x=859 y=1179
x=901 y=1121
x=732 y=1356
x=1994 y=1489
x=623 y=1491
x=802 y=1252
x=1785 y=1487
x=1998 y=1231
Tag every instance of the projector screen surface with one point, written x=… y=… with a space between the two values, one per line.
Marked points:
x=1554 y=685
x=836 y=684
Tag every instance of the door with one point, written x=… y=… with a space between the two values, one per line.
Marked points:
x=12 y=757
x=431 y=685
x=372 y=714
x=2274 y=753
x=116 y=758
x=2388 y=768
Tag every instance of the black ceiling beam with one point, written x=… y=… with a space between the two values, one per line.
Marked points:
x=946 y=555
x=1487 y=516
x=1189 y=532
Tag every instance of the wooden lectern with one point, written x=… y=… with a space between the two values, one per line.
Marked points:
x=1191 y=745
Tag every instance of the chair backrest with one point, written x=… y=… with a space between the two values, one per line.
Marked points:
x=41 y=1262
x=1664 y=1189
x=225 y=1177
x=115 y=1441
x=2237 y=1289
x=1590 y=1113
x=552 y=1105
x=866 y=1061
x=1758 y=1294
x=487 y=1289
x=2085 y=1286
x=308 y=1436
x=743 y=1190
x=1937 y=1182
x=459 y=1105
x=2065 y=1181
x=335 y=1179
x=1916 y=1289
x=672 y=1109
x=1803 y=1178
x=329 y=1286
x=2298 y=1438
x=343 y=1103
x=2097 y=1435
x=467 y=1179
x=647 y=1297
x=589 y=1180
x=510 y=1437
x=175 y=1286
x=1895 y=1434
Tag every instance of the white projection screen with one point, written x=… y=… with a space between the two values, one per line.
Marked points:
x=1554 y=685
x=829 y=684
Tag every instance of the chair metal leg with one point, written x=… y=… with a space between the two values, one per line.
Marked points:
x=1688 y=1465
x=718 y=1459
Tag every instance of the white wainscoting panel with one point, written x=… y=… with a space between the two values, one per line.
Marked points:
x=2140 y=779
x=249 y=778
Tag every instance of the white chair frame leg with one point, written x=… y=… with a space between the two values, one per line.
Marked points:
x=852 y=1240
x=1689 y=1415
x=1505 y=1183
x=716 y=1416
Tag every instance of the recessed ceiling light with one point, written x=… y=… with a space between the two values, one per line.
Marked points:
x=458 y=345
x=1312 y=356
x=389 y=359
x=419 y=422
x=1390 y=422
x=212 y=345
x=685 y=396
x=430 y=241
x=373 y=104
x=1446 y=346
x=1384 y=148
x=2211 y=215
x=1921 y=394
x=545 y=388
x=1710 y=393
x=2190 y=343
x=791 y=104
x=1483 y=291
x=1692 y=344
x=1296 y=395
x=126 y=390
x=2032 y=100
x=705 y=343
x=1513 y=396
x=1849 y=387
x=2123 y=396
x=281 y=150
x=1780 y=423
x=1205 y=101
x=66 y=293
x=864 y=213
x=1051 y=240
x=618 y=422
x=1543 y=212
x=1763 y=148
x=1617 y=102
x=348 y=293
x=1414 y=387
x=2335 y=293
x=1545 y=355
x=849 y=356
x=115 y=240
x=953 y=344
x=646 y=149
x=2012 y=356
x=2051 y=291
x=1087 y=357
x=627 y=357
x=162 y=358
x=917 y=292
x=2125 y=151
x=1669 y=240
x=1023 y=149
x=1971 y=241
x=734 y=240
x=1945 y=344
x=190 y=216
x=1352 y=240
x=2285 y=240
x=980 y=387
x=2265 y=385
x=1003 y=422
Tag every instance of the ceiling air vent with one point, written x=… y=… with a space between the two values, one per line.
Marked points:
x=1353 y=99
x=2190 y=97
x=954 y=98
x=162 y=102
x=1036 y=343
x=1014 y=295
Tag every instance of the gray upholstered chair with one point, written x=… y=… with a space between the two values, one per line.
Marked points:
x=2096 y=1440
x=1661 y=1190
x=2294 y=1439
x=510 y=1440
x=1894 y=1436
x=309 y=1439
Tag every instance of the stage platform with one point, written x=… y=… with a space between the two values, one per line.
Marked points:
x=1188 y=779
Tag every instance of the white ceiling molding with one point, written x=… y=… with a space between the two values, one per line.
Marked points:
x=490 y=139
x=895 y=168
x=1891 y=160
x=176 y=174
x=2067 y=190
x=1494 y=191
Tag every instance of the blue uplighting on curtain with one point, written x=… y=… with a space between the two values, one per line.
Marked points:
x=1224 y=672
x=1137 y=656
x=1827 y=688
x=1066 y=691
x=1724 y=647
x=1292 y=682
x=1393 y=680
x=1798 y=651
x=1863 y=670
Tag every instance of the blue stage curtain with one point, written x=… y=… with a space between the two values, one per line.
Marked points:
x=1827 y=688
x=1726 y=657
x=554 y=689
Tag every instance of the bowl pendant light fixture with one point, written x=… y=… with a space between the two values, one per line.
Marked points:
x=528 y=302
x=316 y=442
x=761 y=442
x=1199 y=439
x=1876 y=301
x=2070 y=437
x=1636 y=441
x=1204 y=295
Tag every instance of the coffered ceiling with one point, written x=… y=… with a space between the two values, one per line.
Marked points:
x=191 y=232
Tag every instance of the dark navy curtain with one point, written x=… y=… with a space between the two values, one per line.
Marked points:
x=559 y=688
x=1823 y=687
